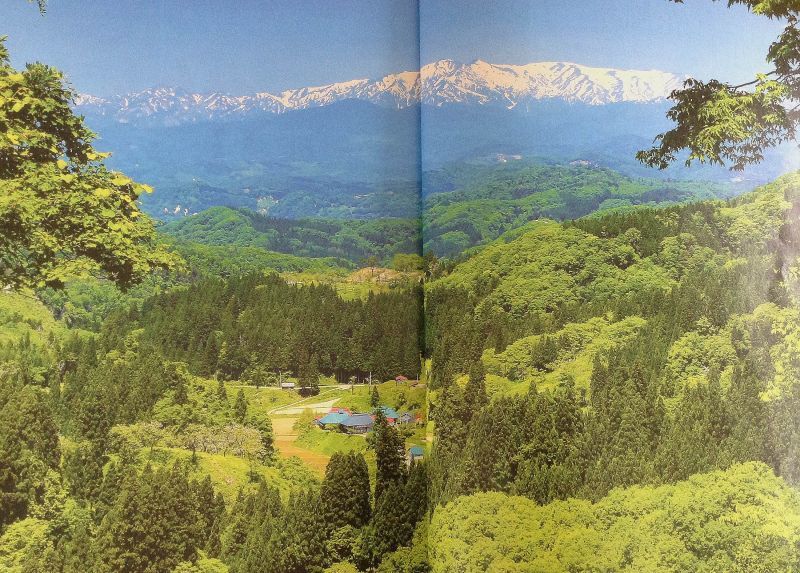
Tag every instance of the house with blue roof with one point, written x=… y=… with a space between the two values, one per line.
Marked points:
x=332 y=420
x=415 y=454
x=391 y=414
x=357 y=423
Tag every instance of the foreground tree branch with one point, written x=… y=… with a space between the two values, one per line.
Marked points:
x=62 y=212
x=726 y=124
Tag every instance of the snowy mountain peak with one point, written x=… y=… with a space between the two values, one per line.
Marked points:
x=439 y=83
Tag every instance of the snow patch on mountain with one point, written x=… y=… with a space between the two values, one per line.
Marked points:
x=440 y=83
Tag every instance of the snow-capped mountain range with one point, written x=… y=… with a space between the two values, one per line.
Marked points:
x=441 y=83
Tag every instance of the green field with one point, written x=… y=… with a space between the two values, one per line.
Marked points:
x=400 y=396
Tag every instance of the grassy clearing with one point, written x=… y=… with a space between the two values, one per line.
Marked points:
x=22 y=314
x=400 y=396
x=230 y=473
x=265 y=399
x=356 y=284
x=330 y=442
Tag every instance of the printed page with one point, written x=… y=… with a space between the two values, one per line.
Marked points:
x=371 y=286
x=611 y=310
x=210 y=340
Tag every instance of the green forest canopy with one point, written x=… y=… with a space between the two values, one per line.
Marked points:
x=742 y=520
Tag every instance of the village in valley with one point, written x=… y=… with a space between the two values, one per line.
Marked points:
x=342 y=418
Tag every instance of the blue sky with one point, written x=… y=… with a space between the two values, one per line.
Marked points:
x=243 y=46
x=700 y=37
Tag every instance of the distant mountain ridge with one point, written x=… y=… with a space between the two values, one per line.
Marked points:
x=438 y=84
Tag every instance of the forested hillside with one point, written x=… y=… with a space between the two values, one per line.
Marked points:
x=471 y=204
x=652 y=350
x=638 y=348
x=161 y=423
x=353 y=241
x=741 y=519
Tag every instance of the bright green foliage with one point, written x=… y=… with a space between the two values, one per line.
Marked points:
x=535 y=280
x=412 y=559
x=740 y=520
x=63 y=214
x=570 y=350
x=407 y=262
x=399 y=396
x=202 y=565
x=234 y=260
x=722 y=123
x=342 y=567
x=347 y=241
x=20 y=544
x=474 y=205
x=544 y=266
x=627 y=386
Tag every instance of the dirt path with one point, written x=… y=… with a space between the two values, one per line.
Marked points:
x=285 y=437
x=316 y=407
x=309 y=403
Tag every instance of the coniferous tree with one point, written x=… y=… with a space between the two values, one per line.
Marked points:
x=222 y=393
x=345 y=493
x=475 y=392
x=297 y=545
x=155 y=501
x=266 y=514
x=28 y=448
x=389 y=454
x=240 y=407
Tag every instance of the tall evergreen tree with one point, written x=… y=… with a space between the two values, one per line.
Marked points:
x=240 y=407
x=475 y=396
x=153 y=526
x=345 y=493
x=389 y=454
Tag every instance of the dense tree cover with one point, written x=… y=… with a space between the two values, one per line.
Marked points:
x=740 y=520
x=478 y=205
x=120 y=396
x=90 y=423
x=62 y=212
x=718 y=122
x=85 y=304
x=29 y=447
x=94 y=509
x=352 y=241
x=536 y=279
x=233 y=260
x=632 y=379
x=336 y=527
x=237 y=326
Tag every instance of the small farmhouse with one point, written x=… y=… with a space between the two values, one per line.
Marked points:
x=415 y=454
x=331 y=420
x=357 y=423
x=390 y=414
